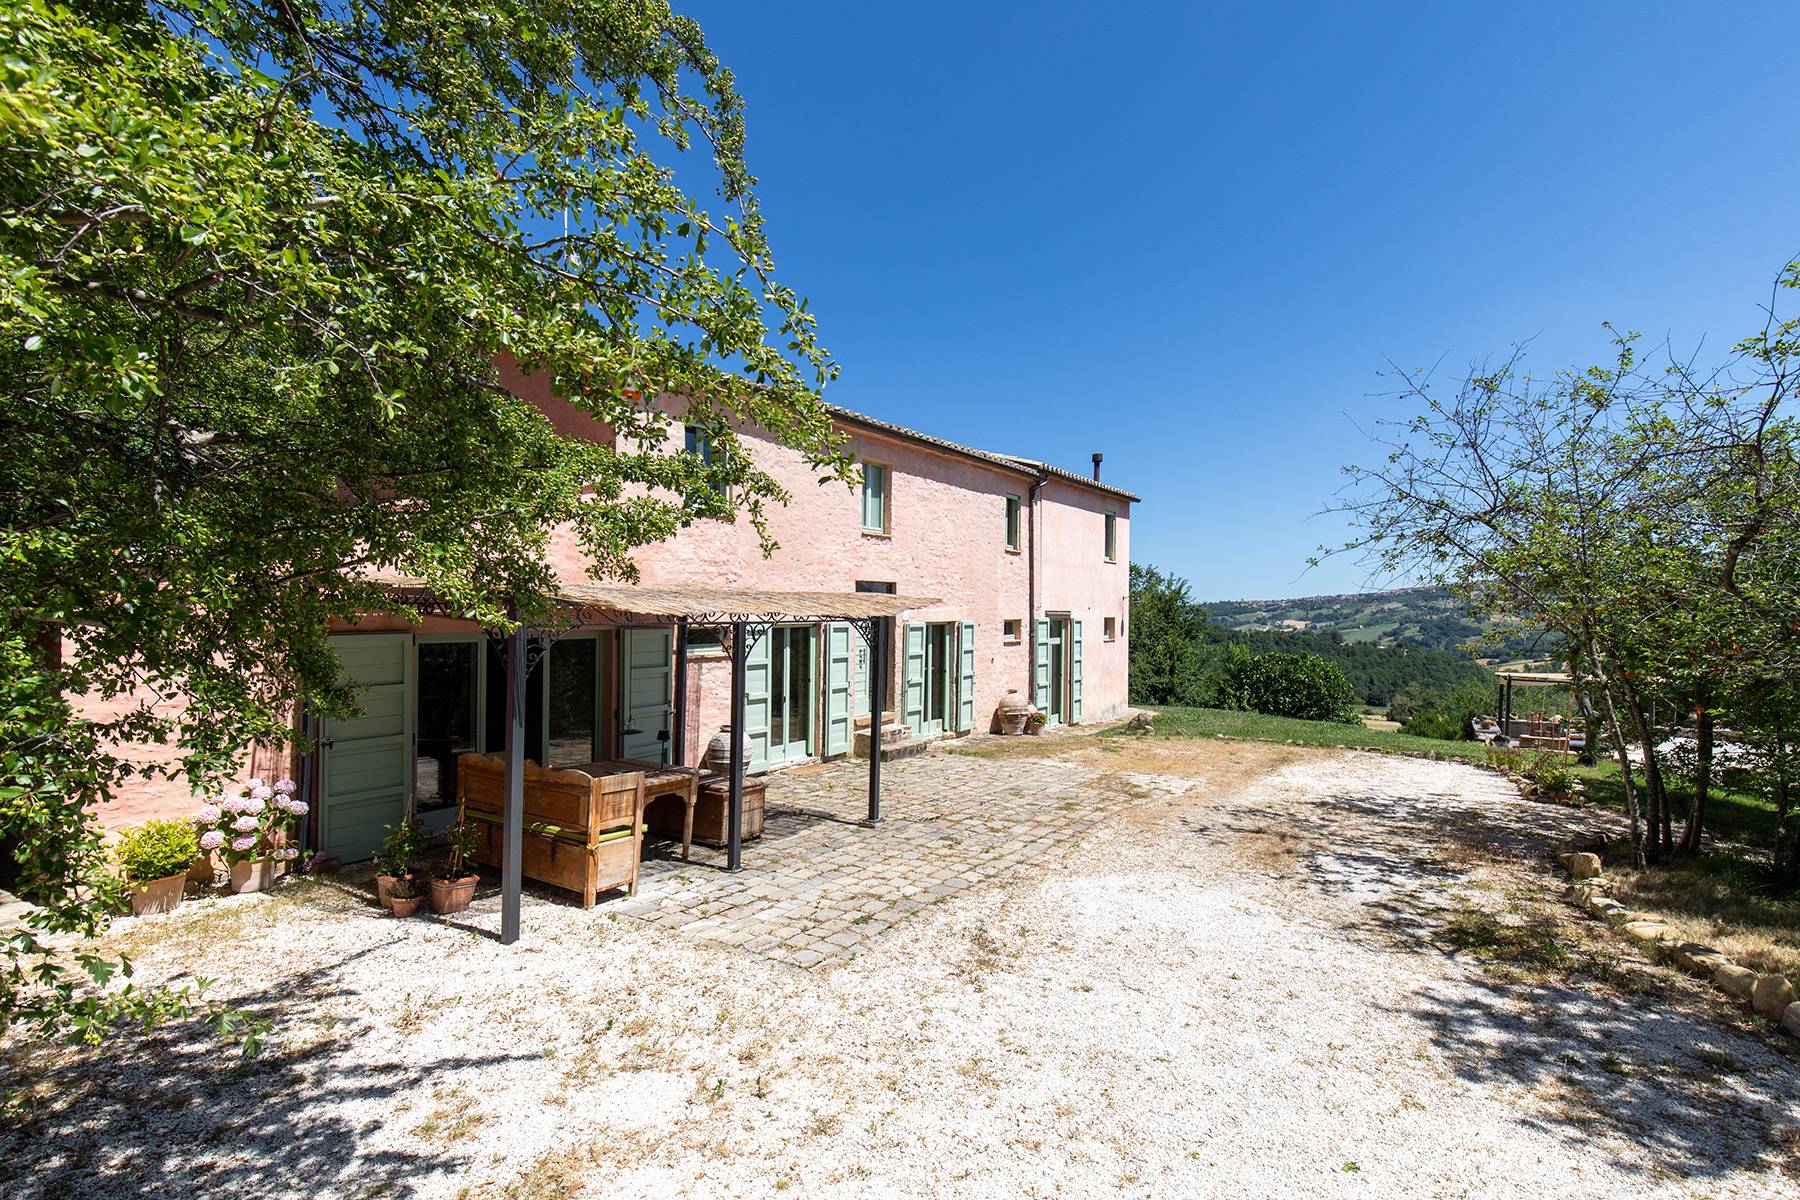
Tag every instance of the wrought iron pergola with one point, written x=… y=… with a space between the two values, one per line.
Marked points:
x=741 y=615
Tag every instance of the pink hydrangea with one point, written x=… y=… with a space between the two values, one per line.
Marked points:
x=232 y=804
x=207 y=814
x=245 y=824
x=255 y=783
x=212 y=839
x=296 y=807
x=255 y=804
x=261 y=792
x=286 y=853
x=241 y=844
x=285 y=787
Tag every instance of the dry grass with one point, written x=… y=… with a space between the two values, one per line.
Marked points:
x=1758 y=932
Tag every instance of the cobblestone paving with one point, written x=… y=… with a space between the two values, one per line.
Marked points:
x=821 y=881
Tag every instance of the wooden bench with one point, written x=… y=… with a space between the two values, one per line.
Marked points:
x=582 y=832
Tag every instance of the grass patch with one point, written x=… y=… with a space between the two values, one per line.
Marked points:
x=1529 y=942
x=1255 y=727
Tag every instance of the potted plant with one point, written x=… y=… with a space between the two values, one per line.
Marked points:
x=154 y=859
x=452 y=890
x=393 y=862
x=1035 y=722
x=403 y=896
x=251 y=831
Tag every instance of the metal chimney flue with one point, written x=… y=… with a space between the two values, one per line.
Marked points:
x=1097 y=458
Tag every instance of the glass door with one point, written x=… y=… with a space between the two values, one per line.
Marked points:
x=1058 y=668
x=940 y=653
x=449 y=722
x=791 y=692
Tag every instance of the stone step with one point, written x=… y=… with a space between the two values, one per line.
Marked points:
x=904 y=746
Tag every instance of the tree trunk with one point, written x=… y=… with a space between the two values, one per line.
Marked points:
x=1787 y=837
x=1624 y=752
x=1656 y=803
x=1703 y=764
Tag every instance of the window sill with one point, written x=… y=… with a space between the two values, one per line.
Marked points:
x=1015 y=550
x=883 y=534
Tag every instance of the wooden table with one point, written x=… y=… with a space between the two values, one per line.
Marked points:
x=659 y=781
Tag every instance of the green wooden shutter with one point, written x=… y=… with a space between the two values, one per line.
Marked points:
x=1075 y=673
x=839 y=641
x=645 y=679
x=965 y=678
x=1041 y=668
x=367 y=760
x=912 y=686
x=756 y=701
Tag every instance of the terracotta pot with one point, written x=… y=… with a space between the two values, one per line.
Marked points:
x=157 y=896
x=453 y=895
x=254 y=875
x=382 y=885
x=205 y=869
x=404 y=907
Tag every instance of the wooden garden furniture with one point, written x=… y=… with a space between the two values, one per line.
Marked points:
x=582 y=832
x=659 y=781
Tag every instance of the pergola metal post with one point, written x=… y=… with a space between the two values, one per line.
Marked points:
x=678 y=735
x=513 y=830
x=878 y=677
x=740 y=652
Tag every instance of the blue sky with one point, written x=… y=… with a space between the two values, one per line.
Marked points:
x=1192 y=237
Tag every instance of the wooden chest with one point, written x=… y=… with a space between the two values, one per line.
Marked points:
x=712 y=809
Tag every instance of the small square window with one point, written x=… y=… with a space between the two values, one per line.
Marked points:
x=1111 y=628
x=1010 y=630
x=875 y=498
x=1013 y=523
x=1112 y=537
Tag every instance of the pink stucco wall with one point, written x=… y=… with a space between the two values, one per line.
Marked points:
x=946 y=539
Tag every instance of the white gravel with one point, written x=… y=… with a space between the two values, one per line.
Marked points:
x=1228 y=991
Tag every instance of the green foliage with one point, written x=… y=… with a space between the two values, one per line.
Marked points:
x=1444 y=712
x=1421 y=618
x=156 y=850
x=268 y=271
x=462 y=839
x=399 y=848
x=1303 y=686
x=1168 y=640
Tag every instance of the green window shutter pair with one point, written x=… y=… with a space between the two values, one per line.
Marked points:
x=840 y=642
x=912 y=687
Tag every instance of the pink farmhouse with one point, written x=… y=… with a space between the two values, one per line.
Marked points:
x=1027 y=564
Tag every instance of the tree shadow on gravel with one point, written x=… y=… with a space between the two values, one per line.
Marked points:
x=1702 y=1099
x=178 y=1111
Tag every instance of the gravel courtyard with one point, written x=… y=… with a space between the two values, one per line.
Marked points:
x=1213 y=969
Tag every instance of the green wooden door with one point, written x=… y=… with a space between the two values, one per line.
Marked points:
x=839 y=643
x=912 y=679
x=965 y=677
x=365 y=762
x=1075 y=672
x=646 y=675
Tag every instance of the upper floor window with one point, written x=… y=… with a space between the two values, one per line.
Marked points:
x=1011 y=631
x=1111 y=626
x=1112 y=537
x=875 y=497
x=1012 y=523
x=699 y=443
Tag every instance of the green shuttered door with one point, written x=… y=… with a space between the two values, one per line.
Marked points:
x=965 y=678
x=366 y=765
x=756 y=701
x=1075 y=672
x=839 y=644
x=1041 y=667
x=912 y=687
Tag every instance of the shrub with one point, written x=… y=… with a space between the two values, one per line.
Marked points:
x=399 y=848
x=1288 y=685
x=157 y=850
x=1447 y=713
x=257 y=821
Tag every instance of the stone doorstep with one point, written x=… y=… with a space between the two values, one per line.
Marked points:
x=1770 y=996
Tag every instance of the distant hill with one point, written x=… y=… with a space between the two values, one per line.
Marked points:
x=1426 y=617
